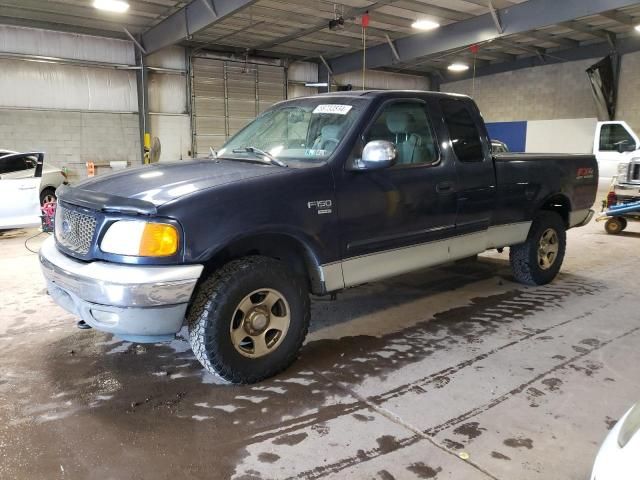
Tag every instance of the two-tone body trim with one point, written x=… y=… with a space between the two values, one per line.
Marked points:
x=366 y=268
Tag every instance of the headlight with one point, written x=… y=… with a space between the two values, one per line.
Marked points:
x=142 y=239
x=622 y=168
x=630 y=426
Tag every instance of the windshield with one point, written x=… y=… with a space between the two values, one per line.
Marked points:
x=305 y=129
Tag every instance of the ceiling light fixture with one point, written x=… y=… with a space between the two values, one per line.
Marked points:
x=117 y=6
x=425 y=24
x=637 y=27
x=458 y=67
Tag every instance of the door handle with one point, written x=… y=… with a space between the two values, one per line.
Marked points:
x=444 y=187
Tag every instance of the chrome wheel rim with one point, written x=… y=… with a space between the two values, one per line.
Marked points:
x=260 y=323
x=548 y=247
x=49 y=198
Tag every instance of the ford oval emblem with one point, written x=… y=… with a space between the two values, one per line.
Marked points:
x=66 y=227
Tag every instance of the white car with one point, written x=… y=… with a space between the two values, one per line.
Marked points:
x=23 y=166
x=619 y=456
x=20 y=195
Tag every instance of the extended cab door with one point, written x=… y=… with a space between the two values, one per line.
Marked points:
x=19 y=197
x=476 y=179
x=612 y=143
x=393 y=220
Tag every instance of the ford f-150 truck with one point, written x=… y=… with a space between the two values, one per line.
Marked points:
x=316 y=195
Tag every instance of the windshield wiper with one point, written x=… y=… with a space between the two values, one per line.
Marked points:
x=271 y=159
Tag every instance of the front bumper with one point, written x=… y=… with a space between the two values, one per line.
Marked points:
x=627 y=191
x=138 y=303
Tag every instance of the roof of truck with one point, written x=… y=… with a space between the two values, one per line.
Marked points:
x=381 y=93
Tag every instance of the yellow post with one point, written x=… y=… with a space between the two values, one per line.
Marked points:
x=147 y=147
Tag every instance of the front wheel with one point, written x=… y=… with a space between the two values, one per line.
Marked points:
x=48 y=195
x=537 y=261
x=249 y=319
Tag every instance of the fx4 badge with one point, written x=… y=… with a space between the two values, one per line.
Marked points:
x=321 y=206
x=583 y=173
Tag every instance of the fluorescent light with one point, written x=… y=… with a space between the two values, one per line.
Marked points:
x=316 y=84
x=637 y=28
x=425 y=24
x=111 y=5
x=458 y=67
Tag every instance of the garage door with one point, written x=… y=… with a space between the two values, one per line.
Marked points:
x=226 y=95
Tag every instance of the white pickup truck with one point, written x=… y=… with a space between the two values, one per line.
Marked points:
x=617 y=149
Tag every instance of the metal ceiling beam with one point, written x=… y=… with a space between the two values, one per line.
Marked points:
x=349 y=14
x=620 y=18
x=192 y=18
x=594 y=50
x=582 y=28
x=519 y=18
x=558 y=40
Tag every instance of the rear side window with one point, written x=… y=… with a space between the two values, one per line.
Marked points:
x=614 y=135
x=463 y=131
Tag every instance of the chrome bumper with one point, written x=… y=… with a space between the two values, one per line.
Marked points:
x=132 y=301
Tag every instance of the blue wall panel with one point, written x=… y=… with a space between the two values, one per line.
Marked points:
x=514 y=134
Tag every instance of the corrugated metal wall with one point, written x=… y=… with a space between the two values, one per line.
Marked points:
x=226 y=95
x=78 y=106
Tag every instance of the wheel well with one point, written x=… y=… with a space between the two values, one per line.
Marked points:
x=281 y=247
x=559 y=204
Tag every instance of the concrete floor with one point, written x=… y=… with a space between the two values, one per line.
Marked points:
x=452 y=373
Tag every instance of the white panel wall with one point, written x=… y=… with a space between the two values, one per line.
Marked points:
x=168 y=104
x=174 y=133
x=573 y=135
x=167 y=93
x=66 y=87
x=47 y=43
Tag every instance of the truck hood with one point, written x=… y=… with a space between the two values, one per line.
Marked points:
x=141 y=189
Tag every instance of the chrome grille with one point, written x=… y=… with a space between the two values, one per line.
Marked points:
x=74 y=230
x=634 y=171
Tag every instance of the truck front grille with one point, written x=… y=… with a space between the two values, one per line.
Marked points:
x=634 y=172
x=74 y=230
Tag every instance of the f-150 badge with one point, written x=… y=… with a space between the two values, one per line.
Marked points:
x=321 y=206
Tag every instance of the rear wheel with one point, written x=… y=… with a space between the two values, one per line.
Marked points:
x=249 y=319
x=537 y=261
x=615 y=225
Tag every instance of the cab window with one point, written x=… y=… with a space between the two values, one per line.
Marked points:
x=614 y=135
x=407 y=126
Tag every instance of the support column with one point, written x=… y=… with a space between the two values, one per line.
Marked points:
x=143 y=105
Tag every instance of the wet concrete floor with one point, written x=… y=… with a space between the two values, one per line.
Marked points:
x=450 y=373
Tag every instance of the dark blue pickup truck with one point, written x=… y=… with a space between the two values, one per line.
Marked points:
x=316 y=195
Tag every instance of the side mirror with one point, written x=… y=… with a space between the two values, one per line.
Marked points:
x=623 y=147
x=376 y=154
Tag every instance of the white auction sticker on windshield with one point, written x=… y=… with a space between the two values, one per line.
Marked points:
x=332 y=108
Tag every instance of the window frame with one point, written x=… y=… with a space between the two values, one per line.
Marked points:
x=610 y=126
x=380 y=111
x=473 y=114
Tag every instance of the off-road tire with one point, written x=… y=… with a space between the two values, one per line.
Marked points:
x=615 y=225
x=524 y=257
x=210 y=315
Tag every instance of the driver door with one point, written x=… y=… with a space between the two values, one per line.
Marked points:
x=19 y=197
x=396 y=219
